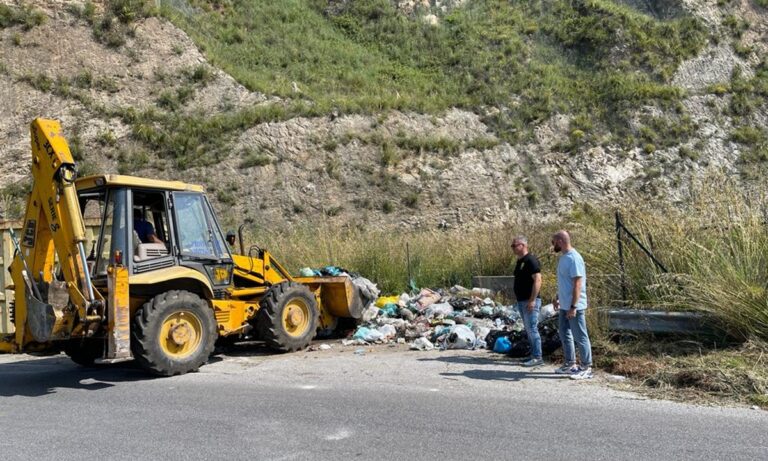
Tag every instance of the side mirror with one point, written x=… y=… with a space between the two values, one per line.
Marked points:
x=231 y=238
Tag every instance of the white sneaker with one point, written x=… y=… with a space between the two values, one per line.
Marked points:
x=568 y=370
x=583 y=374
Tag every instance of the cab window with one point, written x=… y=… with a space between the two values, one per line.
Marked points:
x=199 y=235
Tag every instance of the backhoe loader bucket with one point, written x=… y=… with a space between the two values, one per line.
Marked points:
x=40 y=318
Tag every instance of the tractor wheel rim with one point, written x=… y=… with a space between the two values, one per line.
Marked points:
x=296 y=317
x=181 y=334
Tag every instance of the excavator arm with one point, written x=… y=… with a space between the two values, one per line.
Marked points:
x=45 y=308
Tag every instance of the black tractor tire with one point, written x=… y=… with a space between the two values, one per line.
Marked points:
x=85 y=351
x=173 y=333
x=272 y=325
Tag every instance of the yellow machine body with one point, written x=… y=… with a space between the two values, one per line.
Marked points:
x=62 y=296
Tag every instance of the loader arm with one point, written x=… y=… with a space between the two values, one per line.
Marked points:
x=53 y=225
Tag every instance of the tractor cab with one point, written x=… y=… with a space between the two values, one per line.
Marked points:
x=151 y=225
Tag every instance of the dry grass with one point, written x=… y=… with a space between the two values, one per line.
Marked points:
x=690 y=371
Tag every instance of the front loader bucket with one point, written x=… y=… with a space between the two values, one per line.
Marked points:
x=338 y=295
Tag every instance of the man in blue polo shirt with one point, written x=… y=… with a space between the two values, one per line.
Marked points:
x=572 y=303
x=144 y=229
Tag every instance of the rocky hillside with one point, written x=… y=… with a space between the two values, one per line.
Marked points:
x=419 y=114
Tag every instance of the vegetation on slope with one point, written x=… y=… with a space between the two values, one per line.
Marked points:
x=534 y=58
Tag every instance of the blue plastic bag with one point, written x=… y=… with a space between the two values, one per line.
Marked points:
x=502 y=345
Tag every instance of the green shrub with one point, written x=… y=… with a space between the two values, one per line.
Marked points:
x=736 y=26
x=749 y=135
x=106 y=138
x=127 y=11
x=333 y=168
x=411 y=200
x=718 y=88
x=689 y=153
x=27 y=16
x=387 y=207
x=252 y=158
x=40 y=82
x=115 y=24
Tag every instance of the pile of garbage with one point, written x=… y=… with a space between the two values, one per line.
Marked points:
x=458 y=318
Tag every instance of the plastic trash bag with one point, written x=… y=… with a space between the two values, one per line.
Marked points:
x=370 y=313
x=422 y=344
x=459 y=337
x=368 y=334
x=384 y=300
x=546 y=312
x=367 y=290
x=332 y=271
x=387 y=332
x=439 y=309
x=390 y=310
x=427 y=297
x=307 y=272
x=502 y=345
x=482 y=292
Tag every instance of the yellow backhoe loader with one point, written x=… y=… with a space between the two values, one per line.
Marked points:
x=159 y=282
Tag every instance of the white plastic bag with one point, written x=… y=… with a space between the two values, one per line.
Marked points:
x=460 y=337
x=422 y=344
x=387 y=332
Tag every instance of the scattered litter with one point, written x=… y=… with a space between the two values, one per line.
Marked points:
x=367 y=334
x=547 y=311
x=458 y=318
x=353 y=342
x=459 y=337
x=616 y=378
x=422 y=344
x=754 y=407
x=306 y=272
x=384 y=300
x=427 y=297
x=502 y=345
x=390 y=309
x=387 y=332
x=325 y=347
x=359 y=351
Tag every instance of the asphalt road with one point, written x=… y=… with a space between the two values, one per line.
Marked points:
x=338 y=405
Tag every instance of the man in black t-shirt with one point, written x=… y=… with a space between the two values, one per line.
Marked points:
x=527 y=287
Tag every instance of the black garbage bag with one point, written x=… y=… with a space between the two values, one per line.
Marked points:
x=493 y=335
x=550 y=339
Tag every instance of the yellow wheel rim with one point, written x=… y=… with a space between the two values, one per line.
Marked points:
x=296 y=317
x=181 y=334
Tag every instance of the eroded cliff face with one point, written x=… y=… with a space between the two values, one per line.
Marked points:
x=391 y=169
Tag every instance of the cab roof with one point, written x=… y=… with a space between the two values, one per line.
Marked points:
x=112 y=180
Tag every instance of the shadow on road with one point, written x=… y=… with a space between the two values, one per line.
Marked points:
x=33 y=378
x=470 y=360
x=543 y=372
x=502 y=375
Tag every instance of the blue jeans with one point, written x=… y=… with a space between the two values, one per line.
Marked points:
x=531 y=322
x=575 y=329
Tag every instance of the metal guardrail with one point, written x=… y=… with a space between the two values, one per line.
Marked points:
x=661 y=322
